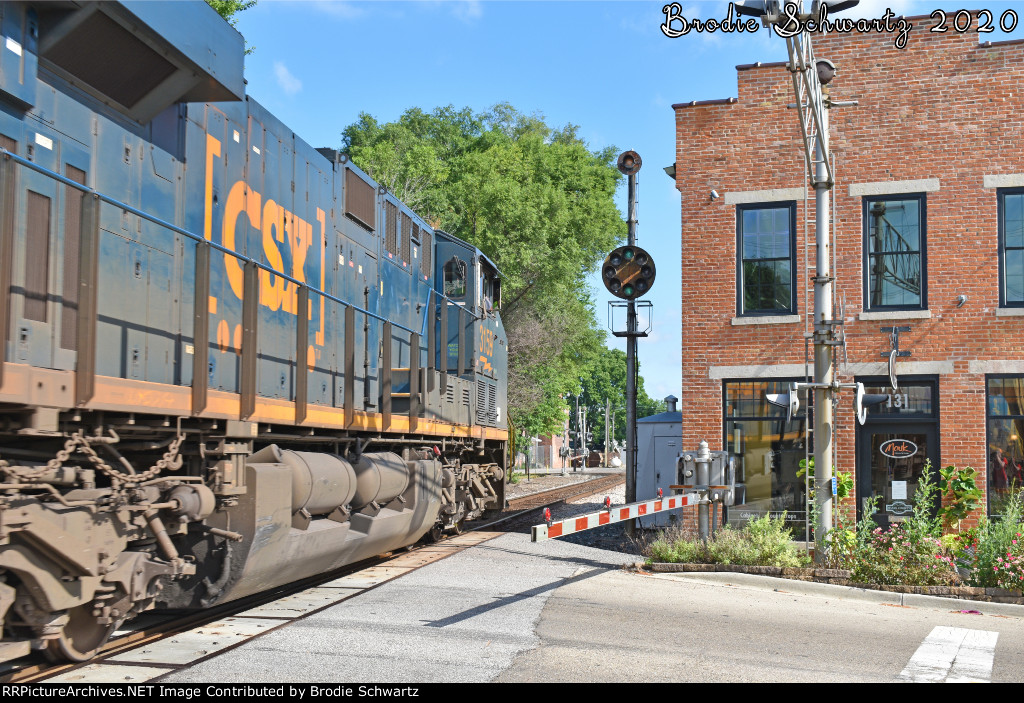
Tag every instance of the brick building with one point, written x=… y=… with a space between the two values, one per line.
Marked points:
x=928 y=231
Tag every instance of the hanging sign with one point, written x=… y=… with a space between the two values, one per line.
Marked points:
x=898 y=448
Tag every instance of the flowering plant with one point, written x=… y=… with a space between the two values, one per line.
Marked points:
x=1009 y=571
x=899 y=556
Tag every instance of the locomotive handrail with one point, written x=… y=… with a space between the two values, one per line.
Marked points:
x=84 y=384
x=191 y=235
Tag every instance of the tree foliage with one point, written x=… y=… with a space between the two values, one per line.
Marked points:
x=538 y=202
x=605 y=378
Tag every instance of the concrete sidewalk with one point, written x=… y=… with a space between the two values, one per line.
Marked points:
x=784 y=585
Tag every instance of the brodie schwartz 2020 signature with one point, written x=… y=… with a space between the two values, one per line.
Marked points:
x=791 y=23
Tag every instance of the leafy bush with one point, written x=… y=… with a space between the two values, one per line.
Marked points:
x=765 y=541
x=908 y=553
x=999 y=542
x=1009 y=572
x=960 y=489
x=897 y=556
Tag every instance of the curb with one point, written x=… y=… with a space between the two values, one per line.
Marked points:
x=831 y=582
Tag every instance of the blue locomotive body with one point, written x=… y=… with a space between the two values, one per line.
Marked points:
x=231 y=360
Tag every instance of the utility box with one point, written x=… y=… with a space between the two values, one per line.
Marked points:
x=659 y=442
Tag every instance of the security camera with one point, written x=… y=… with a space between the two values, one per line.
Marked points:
x=826 y=71
x=715 y=195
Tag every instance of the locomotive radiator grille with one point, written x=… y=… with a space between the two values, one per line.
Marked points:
x=414 y=233
x=360 y=200
x=391 y=229
x=425 y=253
x=37 y=256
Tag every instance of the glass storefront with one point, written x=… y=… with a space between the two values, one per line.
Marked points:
x=768 y=450
x=1005 y=426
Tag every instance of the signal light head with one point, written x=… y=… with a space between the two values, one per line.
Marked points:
x=629 y=162
x=628 y=272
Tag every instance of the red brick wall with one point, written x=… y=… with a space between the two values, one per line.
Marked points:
x=942 y=108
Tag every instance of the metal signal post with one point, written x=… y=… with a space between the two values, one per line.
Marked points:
x=629 y=164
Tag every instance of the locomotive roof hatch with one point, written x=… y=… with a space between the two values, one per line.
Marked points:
x=142 y=57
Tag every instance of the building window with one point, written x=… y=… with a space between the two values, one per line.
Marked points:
x=1011 y=247
x=1005 y=415
x=765 y=247
x=768 y=450
x=894 y=233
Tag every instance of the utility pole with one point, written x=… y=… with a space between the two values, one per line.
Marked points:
x=607 y=429
x=810 y=78
x=823 y=335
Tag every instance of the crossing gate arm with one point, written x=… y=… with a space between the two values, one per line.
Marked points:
x=611 y=514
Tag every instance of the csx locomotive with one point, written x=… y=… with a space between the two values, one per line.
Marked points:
x=231 y=361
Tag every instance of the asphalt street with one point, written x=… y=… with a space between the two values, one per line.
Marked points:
x=510 y=610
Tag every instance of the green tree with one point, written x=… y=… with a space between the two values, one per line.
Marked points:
x=538 y=202
x=605 y=378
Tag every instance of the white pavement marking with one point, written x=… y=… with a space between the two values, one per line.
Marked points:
x=973 y=663
x=954 y=655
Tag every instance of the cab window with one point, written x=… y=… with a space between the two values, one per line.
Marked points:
x=489 y=291
x=455 y=278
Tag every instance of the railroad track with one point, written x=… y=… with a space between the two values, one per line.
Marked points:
x=141 y=654
x=563 y=493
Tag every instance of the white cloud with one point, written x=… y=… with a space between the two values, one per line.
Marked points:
x=288 y=82
x=468 y=10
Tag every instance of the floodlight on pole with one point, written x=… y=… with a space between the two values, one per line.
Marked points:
x=862 y=401
x=790 y=401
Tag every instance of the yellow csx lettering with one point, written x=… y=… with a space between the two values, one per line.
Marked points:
x=277 y=225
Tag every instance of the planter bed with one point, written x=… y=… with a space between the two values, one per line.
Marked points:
x=839 y=577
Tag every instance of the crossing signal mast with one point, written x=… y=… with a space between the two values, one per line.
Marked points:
x=628 y=273
x=810 y=76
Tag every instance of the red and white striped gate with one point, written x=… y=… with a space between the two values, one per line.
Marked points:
x=609 y=515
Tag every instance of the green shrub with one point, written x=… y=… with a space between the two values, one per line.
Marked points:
x=997 y=541
x=765 y=541
x=908 y=553
x=899 y=556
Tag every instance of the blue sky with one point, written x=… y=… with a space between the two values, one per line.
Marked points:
x=602 y=65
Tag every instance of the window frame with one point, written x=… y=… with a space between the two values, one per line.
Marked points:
x=1001 y=194
x=866 y=202
x=741 y=208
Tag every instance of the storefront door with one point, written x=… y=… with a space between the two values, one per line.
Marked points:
x=898 y=440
